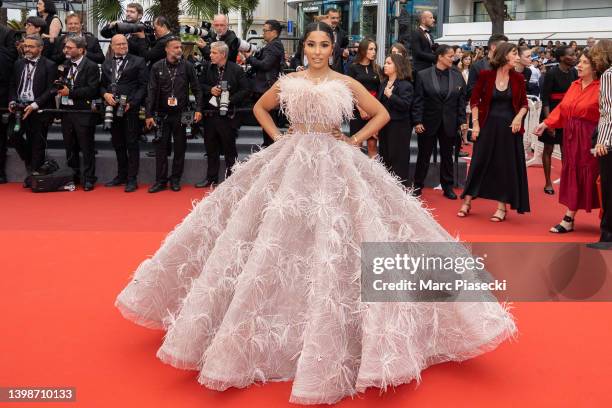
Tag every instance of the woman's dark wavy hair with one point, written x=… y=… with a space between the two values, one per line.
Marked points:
x=318 y=26
x=501 y=53
x=50 y=7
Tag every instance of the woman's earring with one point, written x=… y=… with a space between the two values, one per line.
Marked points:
x=331 y=60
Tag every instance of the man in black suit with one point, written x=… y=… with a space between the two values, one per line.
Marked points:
x=422 y=43
x=125 y=76
x=170 y=81
x=75 y=29
x=8 y=55
x=341 y=41
x=483 y=64
x=137 y=42
x=221 y=32
x=32 y=85
x=439 y=112
x=82 y=84
x=162 y=35
x=266 y=64
x=221 y=129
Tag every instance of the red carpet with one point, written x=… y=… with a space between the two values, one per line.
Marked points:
x=65 y=256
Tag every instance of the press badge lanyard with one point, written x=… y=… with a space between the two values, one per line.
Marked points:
x=172 y=99
x=29 y=73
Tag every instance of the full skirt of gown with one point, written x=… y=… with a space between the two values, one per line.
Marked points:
x=261 y=281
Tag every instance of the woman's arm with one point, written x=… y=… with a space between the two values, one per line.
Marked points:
x=268 y=101
x=517 y=122
x=375 y=110
x=55 y=29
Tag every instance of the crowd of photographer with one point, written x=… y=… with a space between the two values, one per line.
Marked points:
x=149 y=80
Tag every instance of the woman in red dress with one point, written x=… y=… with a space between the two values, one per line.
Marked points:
x=577 y=114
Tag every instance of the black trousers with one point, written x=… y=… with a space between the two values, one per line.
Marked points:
x=426 y=143
x=78 y=130
x=394 y=148
x=220 y=135
x=32 y=142
x=124 y=138
x=605 y=170
x=3 y=139
x=173 y=134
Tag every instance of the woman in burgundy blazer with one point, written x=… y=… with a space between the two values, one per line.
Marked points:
x=499 y=104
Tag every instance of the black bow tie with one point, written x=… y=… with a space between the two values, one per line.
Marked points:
x=74 y=64
x=119 y=58
x=30 y=62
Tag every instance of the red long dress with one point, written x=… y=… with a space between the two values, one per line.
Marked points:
x=578 y=114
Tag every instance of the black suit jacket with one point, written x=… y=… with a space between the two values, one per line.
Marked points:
x=136 y=46
x=133 y=80
x=158 y=51
x=399 y=105
x=475 y=70
x=432 y=110
x=44 y=90
x=267 y=65
x=94 y=51
x=422 y=51
x=86 y=85
x=339 y=46
x=238 y=86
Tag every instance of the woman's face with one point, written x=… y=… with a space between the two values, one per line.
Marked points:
x=513 y=58
x=40 y=6
x=395 y=51
x=389 y=67
x=371 y=54
x=318 y=48
x=458 y=54
x=467 y=61
x=585 y=69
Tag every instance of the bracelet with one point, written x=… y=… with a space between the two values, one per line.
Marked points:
x=354 y=138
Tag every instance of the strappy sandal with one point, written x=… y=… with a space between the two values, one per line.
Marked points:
x=560 y=229
x=549 y=191
x=497 y=218
x=465 y=210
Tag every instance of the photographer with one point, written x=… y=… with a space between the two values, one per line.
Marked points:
x=30 y=89
x=266 y=64
x=224 y=86
x=8 y=55
x=137 y=41
x=222 y=33
x=80 y=83
x=75 y=29
x=170 y=81
x=123 y=86
x=162 y=35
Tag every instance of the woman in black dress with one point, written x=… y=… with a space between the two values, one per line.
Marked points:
x=367 y=72
x=497 y=170
x=396 y=94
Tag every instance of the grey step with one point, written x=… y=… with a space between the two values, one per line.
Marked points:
x=195 y=167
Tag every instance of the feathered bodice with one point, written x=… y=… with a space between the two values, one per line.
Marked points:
x=314 y=105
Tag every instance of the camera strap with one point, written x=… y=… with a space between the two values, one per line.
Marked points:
x=172 y=74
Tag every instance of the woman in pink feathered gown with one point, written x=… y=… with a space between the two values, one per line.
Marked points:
x=261 y=281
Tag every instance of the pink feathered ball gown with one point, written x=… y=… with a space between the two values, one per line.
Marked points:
x=261 y=281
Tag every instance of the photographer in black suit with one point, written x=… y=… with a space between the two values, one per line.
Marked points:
x=31 y=88
x=224 y=87
x=8 y=55
x=137 y=42
x=81 y=80
x=266 y=64
x=74 y=26
x=422 y=42
x=439 y=112
x=167 y=98
x=123 y=86
x=163 y=34
x=221 y=32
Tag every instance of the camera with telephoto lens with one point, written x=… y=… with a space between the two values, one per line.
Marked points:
x=224 y=99
x=18 y=107
x=203 y=32
x=125 y=27
x=108 y=117
x=122 y=104
x=187 y=117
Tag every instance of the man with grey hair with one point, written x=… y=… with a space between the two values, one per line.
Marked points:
x=81 y=78
x=224 y=88
x=222 y=32
x=422 y=43
x=31 y=89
